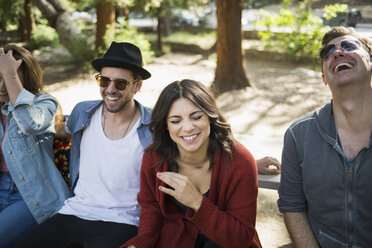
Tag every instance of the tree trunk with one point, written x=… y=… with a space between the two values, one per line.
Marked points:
x=105 y=16
x=121 y=10
x=167 y=27
x=26 y=22
x=230 y=74
x=160 y=31
x=61 y=20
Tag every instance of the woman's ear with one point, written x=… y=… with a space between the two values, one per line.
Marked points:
x=324 y=79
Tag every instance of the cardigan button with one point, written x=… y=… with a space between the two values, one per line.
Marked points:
x=82 y=125
x=9 y=152
x=36 y=203
x=75 y=173
x=21 y=178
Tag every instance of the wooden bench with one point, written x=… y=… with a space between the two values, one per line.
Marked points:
x=269 y=181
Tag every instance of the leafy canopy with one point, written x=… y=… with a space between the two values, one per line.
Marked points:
x=295 y=31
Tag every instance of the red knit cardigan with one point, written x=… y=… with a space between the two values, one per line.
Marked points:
x=227 y=217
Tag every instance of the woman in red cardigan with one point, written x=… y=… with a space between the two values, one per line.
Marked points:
x=198 y=185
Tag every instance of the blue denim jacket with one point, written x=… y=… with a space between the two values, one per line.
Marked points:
x=80 y=119
x=28 y=152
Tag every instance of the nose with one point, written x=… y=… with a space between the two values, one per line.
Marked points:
x=188 y=126
x=111 y=87
x=338 y=51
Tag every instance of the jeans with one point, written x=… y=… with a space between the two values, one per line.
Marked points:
x=15 y=218
x=61 y=231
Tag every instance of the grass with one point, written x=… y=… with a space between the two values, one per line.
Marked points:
x=204 y=40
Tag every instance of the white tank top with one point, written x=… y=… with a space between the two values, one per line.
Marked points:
x=109 y=177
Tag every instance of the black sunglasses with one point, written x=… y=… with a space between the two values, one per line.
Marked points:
x=120 y=83
x=346 y=46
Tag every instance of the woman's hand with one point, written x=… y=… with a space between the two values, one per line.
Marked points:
x=59 y=126
x=183 y=190
x=8 y=64
x=8 y=71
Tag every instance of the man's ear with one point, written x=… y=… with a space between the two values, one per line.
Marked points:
x=138 y=85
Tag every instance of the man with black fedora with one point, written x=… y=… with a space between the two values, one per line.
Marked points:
x=108 y=140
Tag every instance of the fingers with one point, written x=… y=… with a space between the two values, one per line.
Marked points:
x=8 y=64
x=18 y=61
x=275 y=162
x=172 y=179
x=182 y=189
x=264 y=165
x=167 y=191
x=270 y=171
x=266 y=161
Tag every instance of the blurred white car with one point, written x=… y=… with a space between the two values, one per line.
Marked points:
x=85 y=16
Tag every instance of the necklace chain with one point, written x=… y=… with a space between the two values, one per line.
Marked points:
x=130 y=122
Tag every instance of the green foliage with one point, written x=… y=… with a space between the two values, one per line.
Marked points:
x=186 y=37
x=332 y=10
x=253 y=4
x=204 y=40
x=124 y=2
x=299 y=32
x=126 y=33
x=82 y=53
x=82 y=5
x=42 y=36
x=152 y=7
x=9 y=13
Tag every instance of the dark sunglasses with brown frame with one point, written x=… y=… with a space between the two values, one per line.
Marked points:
x=120 y=83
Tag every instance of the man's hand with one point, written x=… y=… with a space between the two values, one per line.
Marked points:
x=268 y=165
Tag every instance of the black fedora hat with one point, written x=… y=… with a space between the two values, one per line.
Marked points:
x=122 y=55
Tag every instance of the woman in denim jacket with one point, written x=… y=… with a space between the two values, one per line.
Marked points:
x=31 y=188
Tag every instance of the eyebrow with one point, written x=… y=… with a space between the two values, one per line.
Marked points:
x=177 y=116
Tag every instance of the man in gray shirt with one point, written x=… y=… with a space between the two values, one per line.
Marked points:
x=327 y=159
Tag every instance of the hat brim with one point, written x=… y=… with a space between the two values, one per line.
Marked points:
x=112 y=62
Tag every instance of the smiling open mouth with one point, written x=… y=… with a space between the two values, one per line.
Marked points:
x=112 y=98
x=191 y=138
x=343 y=66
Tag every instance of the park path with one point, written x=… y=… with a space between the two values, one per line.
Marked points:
x=259 y=115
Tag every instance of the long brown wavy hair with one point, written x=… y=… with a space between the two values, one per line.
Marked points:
x=32 y=76
x=220 y=135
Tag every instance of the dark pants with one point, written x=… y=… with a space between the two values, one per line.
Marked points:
x=65 y=230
